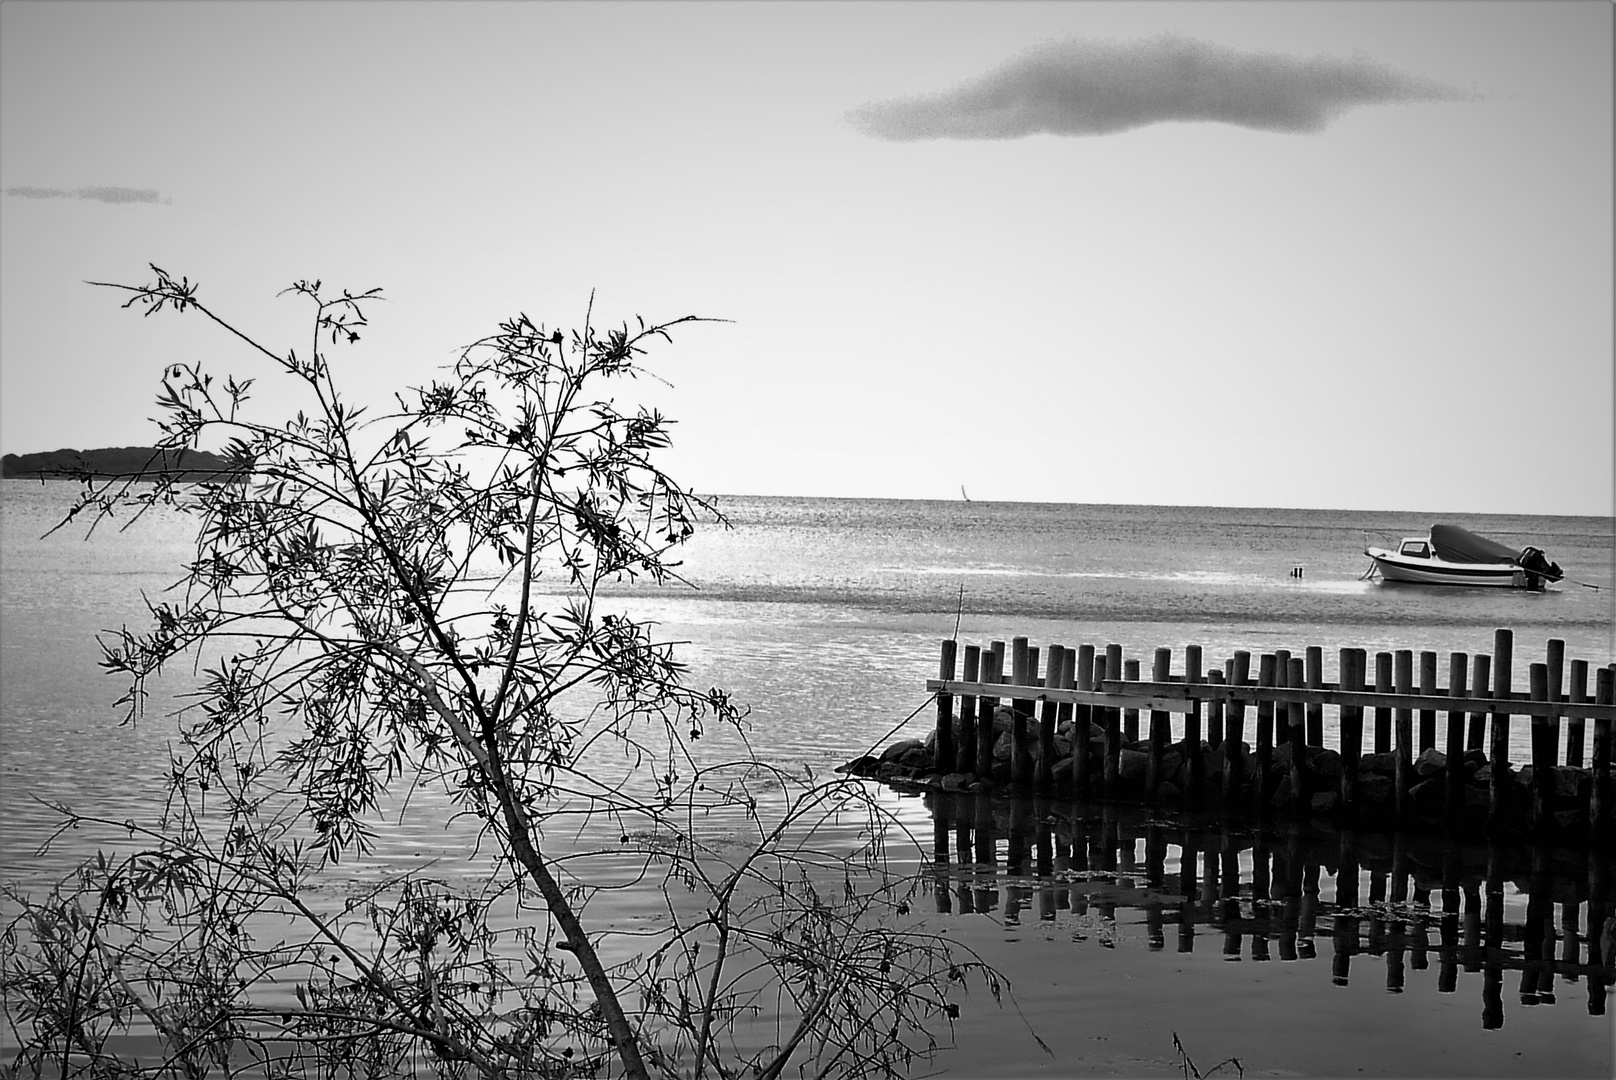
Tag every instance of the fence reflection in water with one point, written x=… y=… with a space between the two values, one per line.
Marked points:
x=1382 y=902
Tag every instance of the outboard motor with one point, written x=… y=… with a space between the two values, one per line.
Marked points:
x=1533 y=561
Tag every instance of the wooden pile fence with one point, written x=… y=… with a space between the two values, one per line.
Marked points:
x=1376 y=712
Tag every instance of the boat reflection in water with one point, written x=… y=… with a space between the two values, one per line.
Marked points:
x=1382 y=903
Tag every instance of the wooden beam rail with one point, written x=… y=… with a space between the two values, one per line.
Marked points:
x=1179 y=697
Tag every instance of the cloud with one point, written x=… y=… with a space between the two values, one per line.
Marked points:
x=1076 y=87
x=98 y=194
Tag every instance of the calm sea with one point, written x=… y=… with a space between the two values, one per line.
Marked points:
x=824 y=615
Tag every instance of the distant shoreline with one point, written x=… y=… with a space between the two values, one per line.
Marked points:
x=111 y=463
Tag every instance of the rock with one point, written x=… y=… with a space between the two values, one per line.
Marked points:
x=1374 y=788
x=1169 y=793
x=863 y=765
x=1324 y=802
x=1428 y=795
x=1381 y=764
x=1131 y=765
x=1326 y=768
x=1570 y=820
x=1569 y=781
x=901 y=747
x=916 y=757
x=1431 y=762
x=955 y=782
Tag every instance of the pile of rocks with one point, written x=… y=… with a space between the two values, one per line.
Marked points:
x=910 y=764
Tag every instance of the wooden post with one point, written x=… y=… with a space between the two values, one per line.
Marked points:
x=1264 y=754
x=1082 y=720
x=1234 y=758
x=1130 y=717
x=1405 y=734
x=1427 y=689
x=1498 y=756
x=966 y=750
x=1021 y=717
x=943 y=753
x=1195 y=794
x=1476 y=739
x=1556 y=686
x=1454 y=777
x=1577 y=693
x=1353 y=662
x=1600 y=809
x=1214 y=711
x=986 y=706
x=1160 y=671
x=1018 y=668
x=1315 y=681
x=1043 y=778
x=1296 y=713
x=1542 y=749
x=1282 y=713
x=1383 y=714
x=1113 y=717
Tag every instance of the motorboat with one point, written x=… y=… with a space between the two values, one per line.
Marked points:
x=1449 y=555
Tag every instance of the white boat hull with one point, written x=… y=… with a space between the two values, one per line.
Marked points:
x=1434 y=571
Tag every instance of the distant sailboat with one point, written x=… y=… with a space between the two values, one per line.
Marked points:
x=964 y=496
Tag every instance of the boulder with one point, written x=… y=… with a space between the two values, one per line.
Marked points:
x=1131 y=765
x=1325 y=802
x=901 y=747
x=1325 y=766
x=1569 y=781
x=1381 y=764
x=1374 y=788
x=1431 y=762
x=863 y=765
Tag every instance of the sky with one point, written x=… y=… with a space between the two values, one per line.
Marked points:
x=1350 y=255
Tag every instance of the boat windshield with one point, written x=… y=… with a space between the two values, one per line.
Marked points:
x=1419 y=549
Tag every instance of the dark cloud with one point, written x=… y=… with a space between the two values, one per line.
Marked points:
x=97 y=194
x=1099 y=88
